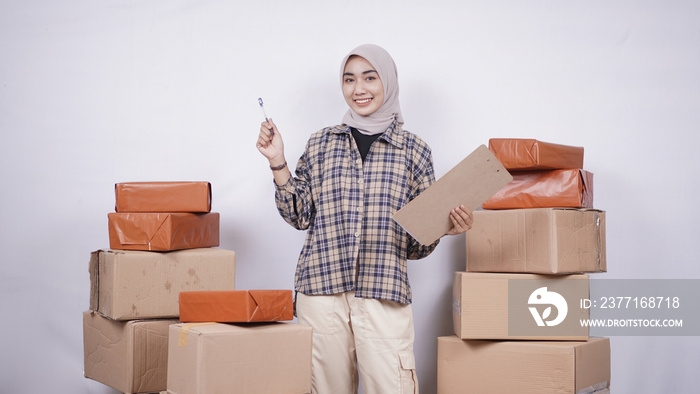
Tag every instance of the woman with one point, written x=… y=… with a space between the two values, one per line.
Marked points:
x=351 y=278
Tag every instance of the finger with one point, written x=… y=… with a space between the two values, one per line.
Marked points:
x=466 y=215
x=273 y=126
x=458 y=221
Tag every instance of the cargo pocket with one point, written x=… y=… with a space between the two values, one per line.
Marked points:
x=407 y=373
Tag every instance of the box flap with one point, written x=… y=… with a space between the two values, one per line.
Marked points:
x=272 y=305
x=136 y=229
x=469 y=183
x=94 y=280
x=593 y=364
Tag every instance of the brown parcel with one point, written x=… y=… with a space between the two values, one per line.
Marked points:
x=163 y=197
x=545 y=189
x=236 y=306
x=522 y=154
x=206 y=358
x=482 y=310
x=128 y=284
x=129 y=356
x=523 y=367
x=163 y=231
x=541 y=241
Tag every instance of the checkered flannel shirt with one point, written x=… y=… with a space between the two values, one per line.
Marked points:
x=346 y=205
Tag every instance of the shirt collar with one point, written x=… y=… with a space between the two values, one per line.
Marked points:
x=394 y=134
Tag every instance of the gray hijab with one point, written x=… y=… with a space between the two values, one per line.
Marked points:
x=380 y=120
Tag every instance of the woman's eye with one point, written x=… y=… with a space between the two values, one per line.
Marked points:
x=349 y=80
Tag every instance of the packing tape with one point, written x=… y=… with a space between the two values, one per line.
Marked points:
x=599 y=247
x=182 y=340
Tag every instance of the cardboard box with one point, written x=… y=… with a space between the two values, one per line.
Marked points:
x=137 y=285
x=544 y=241
x=163 y=197
x=545 y=189
x=524 y=154
x=129 y=356
x=261 y=358
x=523 y=367
x=469 y=183
x=163 y=231
x=519 y=306
x=237 y=306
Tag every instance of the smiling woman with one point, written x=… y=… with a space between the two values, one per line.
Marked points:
x=362 y=88
x=351 y=279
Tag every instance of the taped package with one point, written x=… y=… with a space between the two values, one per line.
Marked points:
x=540 y=240
x=129 y=356
x=521 y=154
x=206 y=358
x=129 y=284
x=523 y=367
x=163 y=197
x=238 y=306
x=163 y=231
x=545 y=189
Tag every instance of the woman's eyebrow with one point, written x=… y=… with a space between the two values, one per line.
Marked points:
x=364 y=73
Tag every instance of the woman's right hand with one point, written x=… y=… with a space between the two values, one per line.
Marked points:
x=270 y=143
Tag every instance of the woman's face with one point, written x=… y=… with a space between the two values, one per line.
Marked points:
x=362 y=88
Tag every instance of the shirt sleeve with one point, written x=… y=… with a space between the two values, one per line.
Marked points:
x=424 y=177
x=293 y=199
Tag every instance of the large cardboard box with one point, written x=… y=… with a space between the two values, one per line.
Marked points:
x=545 y=189
x=523 y=367
x=520 y=306
x=236 y=306
x=205 y=358
x=524 y=154
x=163 y=197
x=129 y=356
x=544 y=241
x=128 y=285
x=163 y=231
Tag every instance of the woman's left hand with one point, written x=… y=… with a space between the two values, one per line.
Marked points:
x=462 y=220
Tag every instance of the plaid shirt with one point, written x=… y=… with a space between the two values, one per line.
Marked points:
x=346 y=205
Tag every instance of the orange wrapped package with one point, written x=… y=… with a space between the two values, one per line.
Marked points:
x=163 y=231
x=163 y=197
x=236 y=306
x=520 y=154
x=545 y=189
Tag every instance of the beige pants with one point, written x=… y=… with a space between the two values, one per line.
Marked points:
x=350 y=333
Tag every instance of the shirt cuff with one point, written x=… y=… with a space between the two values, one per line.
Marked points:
x=288 y=187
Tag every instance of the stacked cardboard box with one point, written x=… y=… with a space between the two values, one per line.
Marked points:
x=164 y=269
x=163 y=240
x=527 y=256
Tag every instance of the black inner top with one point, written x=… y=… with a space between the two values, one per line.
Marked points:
x=364 y=142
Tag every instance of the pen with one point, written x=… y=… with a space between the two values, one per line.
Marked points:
x=260 y=101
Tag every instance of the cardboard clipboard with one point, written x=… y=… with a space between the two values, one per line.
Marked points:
x=470 y=183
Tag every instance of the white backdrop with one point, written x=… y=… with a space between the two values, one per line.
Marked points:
x=98 y=92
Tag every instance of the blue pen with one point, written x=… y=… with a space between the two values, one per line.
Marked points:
x=264 y=114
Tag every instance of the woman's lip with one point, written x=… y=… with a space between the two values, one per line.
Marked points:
x=363 y=101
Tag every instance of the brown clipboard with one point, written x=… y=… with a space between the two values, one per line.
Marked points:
x=471 y=182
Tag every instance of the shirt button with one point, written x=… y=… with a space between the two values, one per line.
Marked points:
x=359 y=209
x=358 y=161
x=357 y=234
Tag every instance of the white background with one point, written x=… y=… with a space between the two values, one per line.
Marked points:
x=98 y=92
